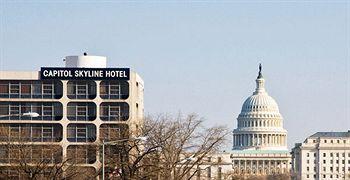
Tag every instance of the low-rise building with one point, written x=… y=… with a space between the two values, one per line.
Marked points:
x=323 y=155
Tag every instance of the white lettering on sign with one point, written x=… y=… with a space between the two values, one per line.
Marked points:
x=115 y=74
x=89 y=73
x=57 y=73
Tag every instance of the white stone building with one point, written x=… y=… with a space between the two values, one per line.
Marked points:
x=323 y=155
x=75 y=112
x=259 y=141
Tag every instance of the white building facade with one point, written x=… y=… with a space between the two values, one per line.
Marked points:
x=78 y=107
x=323 y=155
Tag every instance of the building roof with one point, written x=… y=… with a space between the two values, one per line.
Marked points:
x=331 y=134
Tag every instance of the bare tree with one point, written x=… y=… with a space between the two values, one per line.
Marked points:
x=175 y=148
x=21 y=158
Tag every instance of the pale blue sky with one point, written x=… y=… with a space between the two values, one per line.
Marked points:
x=200 y=57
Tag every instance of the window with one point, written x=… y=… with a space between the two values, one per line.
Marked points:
x=14 y=110
x=36 y=89
x=36 y=133
x=104 y=111
x=114 y=112
x=331 y=168
x=14 y=88
x=81 y=89
x=324 y=168
x=4 y=110
x=110 y=132
x=337 y=154
x=114 y=89
x=331 y=154
x=324 y=154
x=47 y=132
x=47 y=110
x=25 y=89
x=209 y=172
x=4 y=88
x=324 y=161
x=219 y=172
x=14 y=132
x=81 y=111
x=307 y=161
x=47 y=89
x=81 y=132
x=307 y=168
x=307 y=155
x=103 y=89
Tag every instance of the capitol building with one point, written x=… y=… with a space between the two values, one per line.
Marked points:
x=260 y=141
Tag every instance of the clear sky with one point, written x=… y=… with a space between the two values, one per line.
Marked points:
x=200 y=57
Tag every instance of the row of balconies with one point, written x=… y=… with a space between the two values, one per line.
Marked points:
x=76 y=154
x=54 y=89
x=54 y=132
x=53 y=111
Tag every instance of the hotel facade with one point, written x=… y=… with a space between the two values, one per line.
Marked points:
x=78 y=106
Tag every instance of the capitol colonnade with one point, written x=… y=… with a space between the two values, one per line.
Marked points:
x=264 y=139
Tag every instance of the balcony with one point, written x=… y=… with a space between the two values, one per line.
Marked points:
x=31 y=89
x=48 y=111
x=12 y=132
x=81 y=111
x=114 y=89
x=114 y=111
x=81 y=89
x=81 y=132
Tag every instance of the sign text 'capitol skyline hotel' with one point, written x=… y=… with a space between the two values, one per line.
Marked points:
x=85 y=73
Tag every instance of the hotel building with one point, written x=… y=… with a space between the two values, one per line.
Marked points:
x=323 y=155
x=77 y=111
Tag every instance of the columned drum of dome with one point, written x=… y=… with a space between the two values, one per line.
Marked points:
x=260 y=124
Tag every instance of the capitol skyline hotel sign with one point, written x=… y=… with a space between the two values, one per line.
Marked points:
x=85 y=73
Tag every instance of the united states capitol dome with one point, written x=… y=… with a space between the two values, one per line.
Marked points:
x=260 y=103
x=260 y=124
